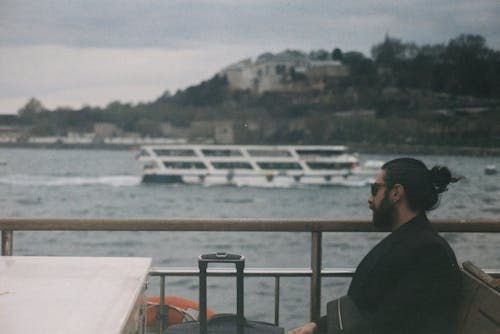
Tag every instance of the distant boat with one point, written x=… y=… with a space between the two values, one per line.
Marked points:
x=259 y=165
x=3 y=163
x=490 y=170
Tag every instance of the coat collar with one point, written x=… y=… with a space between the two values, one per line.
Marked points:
x=418 y=222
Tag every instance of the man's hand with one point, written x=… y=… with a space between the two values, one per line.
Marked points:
x=305 y=329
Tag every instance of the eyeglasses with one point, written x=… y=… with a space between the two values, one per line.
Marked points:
x=375 y=187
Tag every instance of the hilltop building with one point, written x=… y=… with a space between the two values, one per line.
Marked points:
x=286 y=71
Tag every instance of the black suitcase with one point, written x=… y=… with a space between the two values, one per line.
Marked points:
x=223 y=323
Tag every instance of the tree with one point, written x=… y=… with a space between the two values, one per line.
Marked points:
x=31 y=108
x=362 y=70
x=389 y=51
x=393 y=50
x=210 y=92
x=319 y=55
x=471 y=45
x=470 y=66
x=394 y=60
x=337 y=54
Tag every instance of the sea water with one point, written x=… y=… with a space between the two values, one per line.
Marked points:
x=100 y=183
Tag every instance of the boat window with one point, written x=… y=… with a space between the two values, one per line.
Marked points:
x=184 y=164
x=231 y=165
x=279 y=165
x=150 y=165
x=221 y=153
x=162 y=152
x=269 y=153
x=329 y=165
x=320 y=153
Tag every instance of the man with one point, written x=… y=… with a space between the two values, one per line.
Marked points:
x=410 y=281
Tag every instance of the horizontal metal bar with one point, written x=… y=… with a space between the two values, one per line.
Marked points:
x=225 y=224
x=269 y=272
x=251 y=272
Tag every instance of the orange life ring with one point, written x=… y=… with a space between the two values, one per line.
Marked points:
x=180 y=310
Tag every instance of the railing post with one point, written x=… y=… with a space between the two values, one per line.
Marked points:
x=163 y=314
x=7 y=242
x=277 y=300
x=316 y=250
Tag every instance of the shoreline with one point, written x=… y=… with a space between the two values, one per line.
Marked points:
x=361 y=148
x=424 y=149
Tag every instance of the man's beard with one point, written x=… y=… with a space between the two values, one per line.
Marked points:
x=383 y=216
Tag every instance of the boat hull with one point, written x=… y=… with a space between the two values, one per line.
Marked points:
x=161 y=178
x=279 y=181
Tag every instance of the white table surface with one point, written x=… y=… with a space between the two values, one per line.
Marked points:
x=69 y=295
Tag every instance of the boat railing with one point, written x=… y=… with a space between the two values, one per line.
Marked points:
x=315 y=227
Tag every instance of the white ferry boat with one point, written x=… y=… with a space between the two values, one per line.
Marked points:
x=243 y=165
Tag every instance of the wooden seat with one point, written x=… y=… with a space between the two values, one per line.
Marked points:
x=479 y=308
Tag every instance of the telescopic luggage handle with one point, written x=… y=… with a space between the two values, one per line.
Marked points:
x=221 y=257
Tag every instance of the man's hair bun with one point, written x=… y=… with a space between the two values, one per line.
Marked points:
x=441 y=177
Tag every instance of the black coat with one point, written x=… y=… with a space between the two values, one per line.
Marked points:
x=409 y=282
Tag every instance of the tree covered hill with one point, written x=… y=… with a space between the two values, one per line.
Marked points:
x=443 y=93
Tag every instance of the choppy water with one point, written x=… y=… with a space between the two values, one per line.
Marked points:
x=88 y=183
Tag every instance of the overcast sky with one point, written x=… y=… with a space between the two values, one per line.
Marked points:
x=72 y=53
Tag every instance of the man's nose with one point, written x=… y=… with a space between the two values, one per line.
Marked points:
x=370 y=199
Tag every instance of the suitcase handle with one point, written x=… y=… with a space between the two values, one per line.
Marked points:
x=221 y=257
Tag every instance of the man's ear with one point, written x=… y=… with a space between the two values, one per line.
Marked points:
x=397 y=192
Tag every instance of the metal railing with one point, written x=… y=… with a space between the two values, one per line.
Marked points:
x=316 y=227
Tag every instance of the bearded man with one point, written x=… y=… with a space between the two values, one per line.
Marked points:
x=410 y=281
